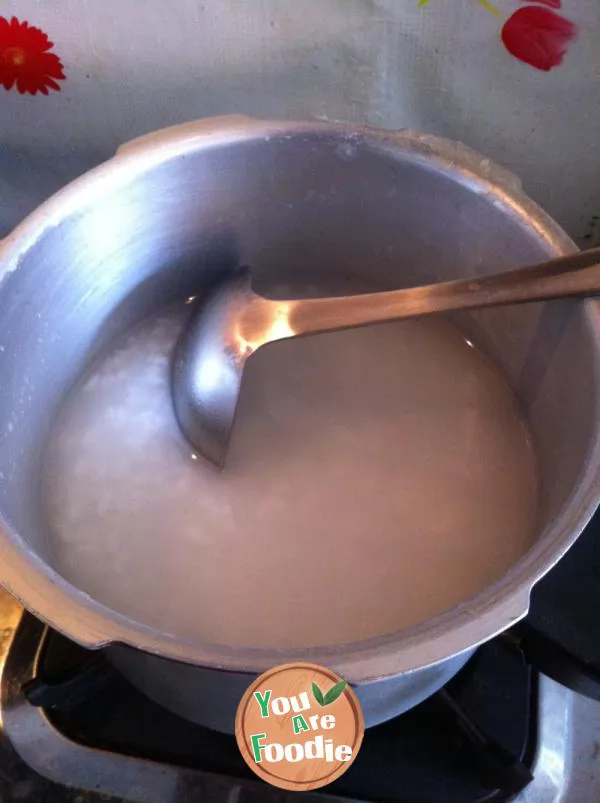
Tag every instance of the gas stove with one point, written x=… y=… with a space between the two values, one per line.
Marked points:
x=74 y=730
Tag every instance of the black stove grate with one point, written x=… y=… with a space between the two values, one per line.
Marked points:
x=472 y=742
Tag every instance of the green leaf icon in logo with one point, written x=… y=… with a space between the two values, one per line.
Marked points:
x=334 y=692
x=331 y=696
x=318 y=694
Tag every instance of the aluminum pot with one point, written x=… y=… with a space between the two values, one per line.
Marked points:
x=166 y=216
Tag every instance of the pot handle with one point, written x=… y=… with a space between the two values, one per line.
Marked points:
x=516 y=608
x=187 y=131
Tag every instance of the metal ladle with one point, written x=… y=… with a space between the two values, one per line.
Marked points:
x=232 y=322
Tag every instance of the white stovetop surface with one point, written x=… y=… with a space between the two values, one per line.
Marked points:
x=567 y=762
x=584 y=772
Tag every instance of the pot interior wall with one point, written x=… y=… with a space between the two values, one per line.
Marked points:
x=291 y=206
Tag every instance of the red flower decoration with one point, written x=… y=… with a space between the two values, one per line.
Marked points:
x=25 y=60
x=549 y=3
x=538 y=36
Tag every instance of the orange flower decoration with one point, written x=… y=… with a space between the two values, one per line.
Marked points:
x=25 y=60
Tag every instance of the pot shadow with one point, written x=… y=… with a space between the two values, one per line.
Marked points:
x=493 y=332
x=552 y=325
x=192 y=275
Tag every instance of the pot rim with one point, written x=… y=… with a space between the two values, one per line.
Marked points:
x=85 y=620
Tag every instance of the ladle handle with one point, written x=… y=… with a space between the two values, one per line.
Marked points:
x=573 y=275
